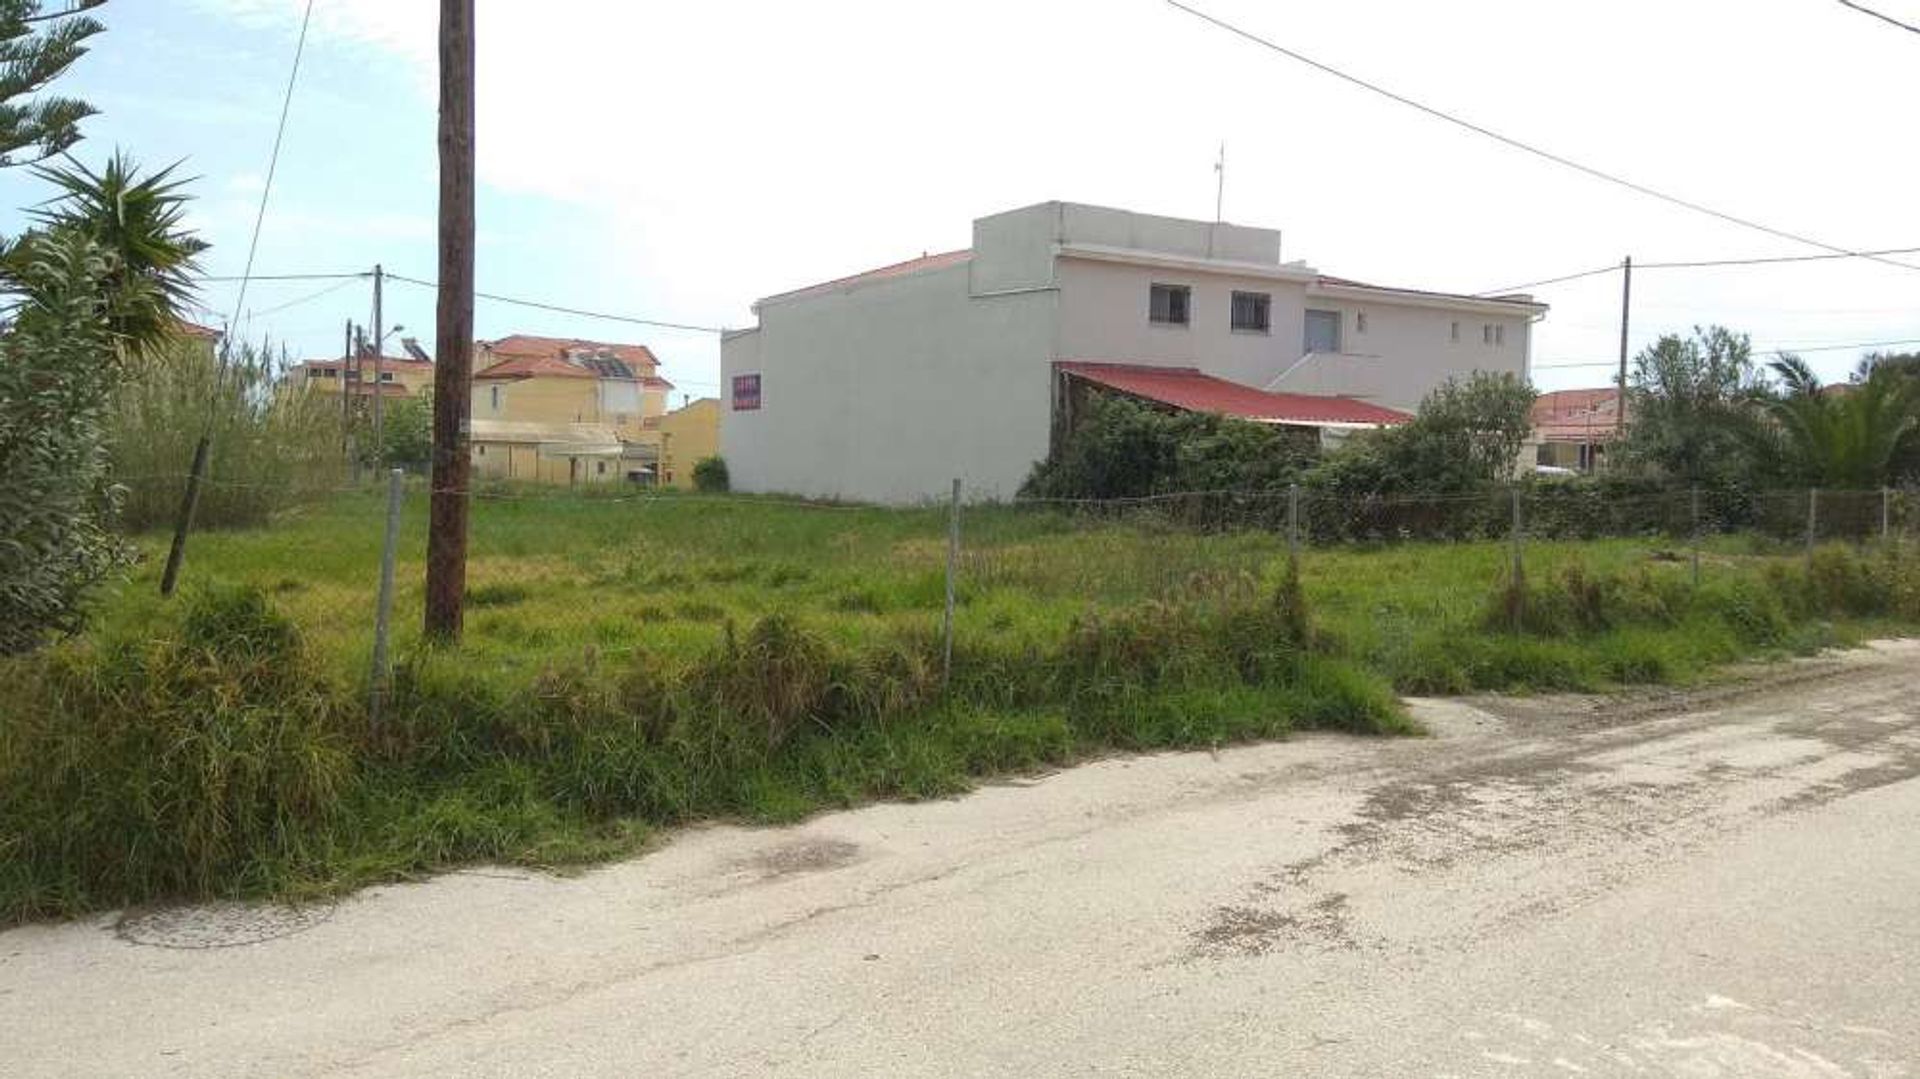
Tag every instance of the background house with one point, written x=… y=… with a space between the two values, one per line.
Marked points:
x=1574 y=428
x=887 y=384
x=410 y=375
x=562 y=453
x=682 y=438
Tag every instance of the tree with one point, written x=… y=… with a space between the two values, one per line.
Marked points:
x=406 y=434
x=1466 y=435
x=36 y=47
x=1850 y=435
x=1693 y=407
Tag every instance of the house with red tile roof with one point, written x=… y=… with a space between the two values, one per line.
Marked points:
x=1573 y=428
x=886 y=385
x=557 y=384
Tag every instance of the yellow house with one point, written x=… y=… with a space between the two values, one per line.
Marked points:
x=398 y=376
x=567 y=380
x=682 y=438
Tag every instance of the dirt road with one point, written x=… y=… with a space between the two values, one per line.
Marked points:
x=1722 y=884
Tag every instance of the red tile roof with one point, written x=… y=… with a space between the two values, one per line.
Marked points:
x=194 y=329
x=528 y=346
x=1188 y=388
x=1587 y=415
x=898 y=269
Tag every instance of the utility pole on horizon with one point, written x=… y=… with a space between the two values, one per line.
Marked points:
x=453 y=329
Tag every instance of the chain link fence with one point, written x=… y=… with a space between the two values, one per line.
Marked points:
x=556 y=573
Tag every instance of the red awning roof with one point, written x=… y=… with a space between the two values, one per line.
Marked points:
x=1190 y=389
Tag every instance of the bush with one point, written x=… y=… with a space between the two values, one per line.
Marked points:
x=1124 y=449
x=207 y=763
x=710 y=475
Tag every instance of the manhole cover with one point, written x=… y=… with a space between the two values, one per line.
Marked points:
x=218 y=925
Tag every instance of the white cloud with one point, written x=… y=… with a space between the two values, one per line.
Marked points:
x=733 y=148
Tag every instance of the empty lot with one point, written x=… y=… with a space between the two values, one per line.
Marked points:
x=1713 y=883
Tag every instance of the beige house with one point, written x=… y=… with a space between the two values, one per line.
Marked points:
x=410 y=375
x=682 y=438
x=559 y=453
x=567 y=380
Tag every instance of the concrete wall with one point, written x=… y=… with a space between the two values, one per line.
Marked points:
x=1404 y=351
x=888 y=390
x=1103 y=316
x=523 y=462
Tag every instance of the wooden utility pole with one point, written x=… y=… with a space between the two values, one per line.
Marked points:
x=346 y=400
x=1626 y=307
x=379 y=373
x=453 y=330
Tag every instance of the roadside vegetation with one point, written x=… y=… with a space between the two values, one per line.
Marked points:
x=630 y=665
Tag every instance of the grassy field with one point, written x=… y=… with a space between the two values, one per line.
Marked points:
x=632 y=663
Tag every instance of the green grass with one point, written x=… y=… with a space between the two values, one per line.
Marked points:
x=629 y=665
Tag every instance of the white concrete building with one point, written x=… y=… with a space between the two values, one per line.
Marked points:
x=886 y=385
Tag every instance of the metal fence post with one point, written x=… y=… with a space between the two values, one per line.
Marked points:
x=1813 y=521
x=953 y=566
x=1696 y=536
x=1293 y=526
x=1519 y=592
x=383 y=613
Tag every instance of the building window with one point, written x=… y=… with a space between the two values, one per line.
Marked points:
x=1500 y=337
x=1486 y=334
x=1168 y=304
x=1360 y=322
x=599 y=468
x=479 y=451
x=1453 y=333
x=495 y=392
x=1323 y=331
x=1252 y=311
x=746 y=393
x=386 y=376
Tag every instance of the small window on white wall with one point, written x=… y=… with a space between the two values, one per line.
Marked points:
x=1486 y=334
x=1360 y=322
x=496 y=398
x=1453 y=333
x=1167 y=304
x=1252 y=312
x=1323 y=331
x=1499 y=336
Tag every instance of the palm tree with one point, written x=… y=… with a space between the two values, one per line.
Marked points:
x=136 y=226
x=1848 y=435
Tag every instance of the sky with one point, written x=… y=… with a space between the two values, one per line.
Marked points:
x=675 y=161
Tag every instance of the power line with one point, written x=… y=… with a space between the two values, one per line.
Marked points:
x=273 y=162
x=1703 y=263
x=584 y=313
x=1508 y=140
x=288 y=277
x=1885 y=18
x=308 y=298
x=1761 y=348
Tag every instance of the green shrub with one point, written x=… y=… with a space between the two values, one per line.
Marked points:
x=207 y=763
x=710 y=475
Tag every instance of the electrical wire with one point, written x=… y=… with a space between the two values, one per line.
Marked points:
x=1885 y=18
x=310 y=297
x=273 y=162
x=584 y=313
x=1702 y=263
x=1758 y=349
x=1510 y=141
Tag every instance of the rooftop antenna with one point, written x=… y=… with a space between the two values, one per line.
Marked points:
x=1220 y=184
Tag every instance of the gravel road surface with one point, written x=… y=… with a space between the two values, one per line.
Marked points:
x=1712 y=883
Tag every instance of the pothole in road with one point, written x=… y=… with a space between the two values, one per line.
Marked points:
x=218 y=925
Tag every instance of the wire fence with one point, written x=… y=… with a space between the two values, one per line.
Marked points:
x=555 y=573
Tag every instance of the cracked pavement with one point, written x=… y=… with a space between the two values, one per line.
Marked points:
x=1721 y=882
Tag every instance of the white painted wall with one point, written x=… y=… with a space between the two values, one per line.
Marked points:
x=887 y=391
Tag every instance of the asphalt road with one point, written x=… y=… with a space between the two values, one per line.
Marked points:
x=1709 y=884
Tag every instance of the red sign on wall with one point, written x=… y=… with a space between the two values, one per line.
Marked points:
x=746 y=393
